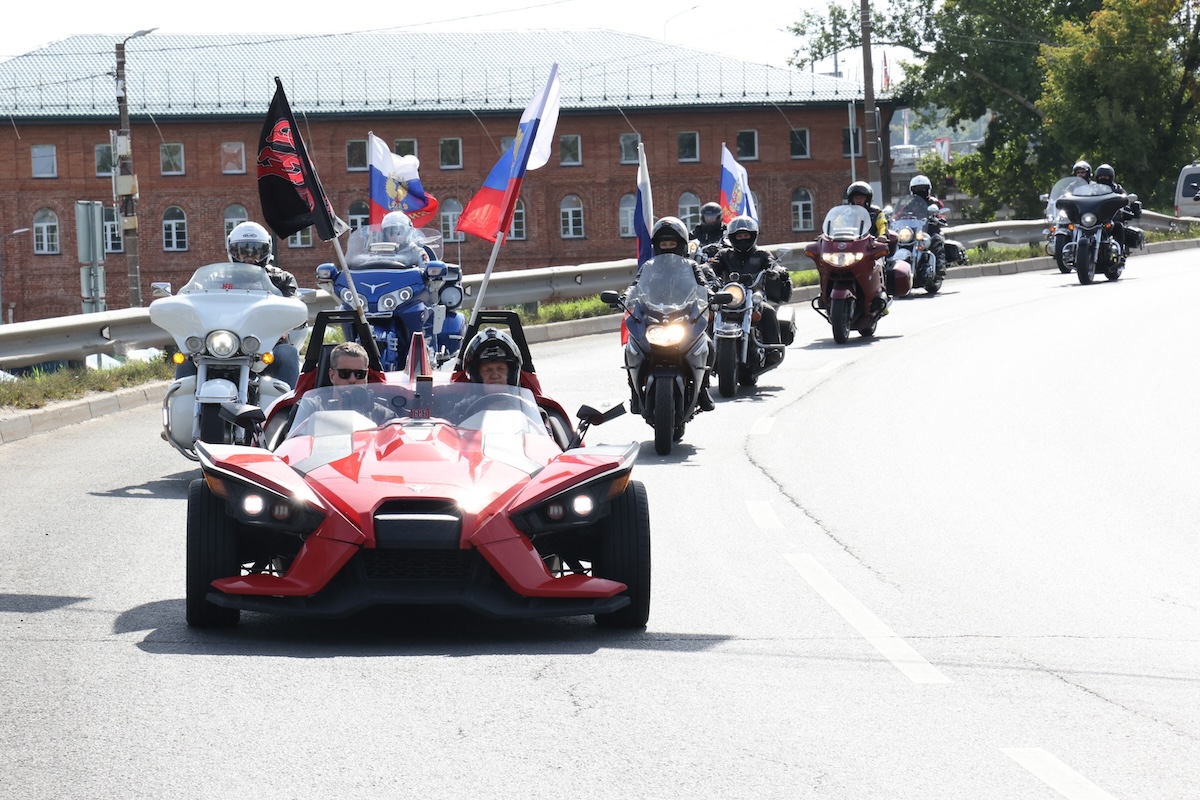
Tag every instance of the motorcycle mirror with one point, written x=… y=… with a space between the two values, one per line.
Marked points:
x=933 y=209
x=888 y=209
x=720 y=298
x=610 y=297
x=160 y=289
x=1043 y=197
x=1133 y=198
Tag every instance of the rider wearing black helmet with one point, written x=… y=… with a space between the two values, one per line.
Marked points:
x=860 y=193
x=710 y=233
x=921 y=186
x=1131 y=237
x=744 y=258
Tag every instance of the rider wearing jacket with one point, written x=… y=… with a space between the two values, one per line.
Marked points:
x=1108 y=176
x=744 y=258
x=710 y=233
x=249 y=243
x=860 y=193
x=922 y=187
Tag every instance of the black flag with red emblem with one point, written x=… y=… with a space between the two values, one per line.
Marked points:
x=288 y=188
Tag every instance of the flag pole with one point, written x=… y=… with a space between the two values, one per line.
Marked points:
x=341 y=259
x=487 y=275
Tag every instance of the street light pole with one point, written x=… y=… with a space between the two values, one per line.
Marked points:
x=2 y=240
x=125 y=190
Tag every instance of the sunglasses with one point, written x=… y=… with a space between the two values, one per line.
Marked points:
x=345 y=374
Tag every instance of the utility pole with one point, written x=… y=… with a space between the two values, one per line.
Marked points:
x=871 y=144
x=125 y=188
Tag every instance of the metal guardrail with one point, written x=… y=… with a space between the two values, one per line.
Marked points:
x=73 y=338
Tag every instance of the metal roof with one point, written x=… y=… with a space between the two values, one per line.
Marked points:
x=391 y=73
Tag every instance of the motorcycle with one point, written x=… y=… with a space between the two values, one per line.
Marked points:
x=667 y=351
x=1056 y=231
x=742 y=355
x=226 y=320
x=404 y=287
x=911 y=221
x=847 y=257
x=1089 y=211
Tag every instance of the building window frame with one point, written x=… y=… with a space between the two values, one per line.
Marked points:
x=450 y=154
x=44 y=160
x=799 y=143
x=233 y=158
x=449 y=211
x=105 y=159
x=174 y=230
x=356 y=155
x=45 y=233
x=688 y=146
x=171 y=159
x=570 y=150
x=570 y=217
x=747 y=145
x=628 y=142
x=405 y=147
x=803 y=218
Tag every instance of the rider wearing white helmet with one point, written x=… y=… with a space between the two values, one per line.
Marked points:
x=249 y=243
x=921 y=186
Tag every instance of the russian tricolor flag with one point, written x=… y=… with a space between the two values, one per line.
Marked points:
x=395 y=184
x=736 y=199
x=643 y=210
x=489 y=213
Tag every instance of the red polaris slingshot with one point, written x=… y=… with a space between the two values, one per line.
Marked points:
x=418 y=489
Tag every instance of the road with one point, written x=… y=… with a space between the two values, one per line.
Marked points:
x=957 y=560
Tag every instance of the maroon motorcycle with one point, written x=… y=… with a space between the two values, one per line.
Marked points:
x=848 y=259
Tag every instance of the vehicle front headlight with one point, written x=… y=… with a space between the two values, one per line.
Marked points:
x=389 y=301
x=1088 y=220
x=905 y=234
x=251 y=344
x=665 y=335
x=350 y=300
x=739 y=294
x=841 y=259
x=574 y=507
x=222 y=344
x=451 y=296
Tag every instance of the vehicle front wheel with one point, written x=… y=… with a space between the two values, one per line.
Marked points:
x=727 y=361
x=211 y=554
x=840 y=310
x=664 y=415
x=624 y=555
x=1085 y=267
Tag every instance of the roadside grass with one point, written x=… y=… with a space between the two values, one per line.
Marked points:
x=38 y=388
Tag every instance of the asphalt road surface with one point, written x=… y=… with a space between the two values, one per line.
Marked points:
x=958 y=560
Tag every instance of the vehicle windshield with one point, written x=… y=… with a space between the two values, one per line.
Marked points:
x=229 y=276
x=409 y=246
x=467 y=406
x=846 y=222
x=912 y=207
x=1062 y=186
x=667 y=283
x=1091 y=190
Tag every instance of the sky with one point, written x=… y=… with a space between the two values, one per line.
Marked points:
x=750 y=30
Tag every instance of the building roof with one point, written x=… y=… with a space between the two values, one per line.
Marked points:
x=390 y=73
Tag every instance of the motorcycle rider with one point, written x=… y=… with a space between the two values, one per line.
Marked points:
x=860 y=193
x=1082 y=169
x=669 y=236
x=710 y=233
x=398 y=229
x=744 y=258
x=1106 y=175
x=922 y=187
x=249 y=243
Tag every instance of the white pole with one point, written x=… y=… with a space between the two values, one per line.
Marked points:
x=487 y=274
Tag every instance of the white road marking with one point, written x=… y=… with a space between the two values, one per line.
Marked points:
x=1055 y=774
x=762 y=514
x=891 y=646
x=762 y=426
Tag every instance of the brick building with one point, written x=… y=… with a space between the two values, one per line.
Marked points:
x=196 y=106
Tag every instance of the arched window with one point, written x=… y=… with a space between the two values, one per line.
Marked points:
x=689 y=209
x=802 y=210
x=360 y=212
x=234 y=215
x=625 y=213
x=449 y=212
x=517 y=229
x=174 y=227
x=570 y=216
x=45 y=232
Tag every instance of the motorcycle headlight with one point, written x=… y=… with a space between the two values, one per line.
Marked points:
x=451 y=296
x=193 y=344
x=251 y=344
x=389 y=301
x=841 y=259
x=222 y=344
x=665 y=335
x=350 y=300
x=738 y=291
x=905 y=234
x=921 y=236
x=1088 y=220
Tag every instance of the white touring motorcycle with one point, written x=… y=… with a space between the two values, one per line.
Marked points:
x=226 y=320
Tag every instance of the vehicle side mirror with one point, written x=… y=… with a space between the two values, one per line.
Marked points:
x=888 y=209
x=598 y=416
x=611 y=297
x=720 y=298
x=1043 y=197
x=160 y=289
x=1133 y=198
x=326 y=273
x=933 y=209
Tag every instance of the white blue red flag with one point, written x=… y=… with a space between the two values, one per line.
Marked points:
x=396 y=184
x=643 y=209
x=736 y=199
x=489 y=213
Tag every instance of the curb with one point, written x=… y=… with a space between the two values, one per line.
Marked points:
x=22 y=424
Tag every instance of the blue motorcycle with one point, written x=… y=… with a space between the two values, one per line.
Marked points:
x=404 y=287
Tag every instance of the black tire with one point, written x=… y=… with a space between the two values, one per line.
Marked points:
x=840 y=311
x=1085 y=268
x=935 y=285
x=212 y=427
x=1058 y=257
x=1113 y=274
x=624 y=555
x=869 y=330
x=747 y=377
x=664 y=415
x=211 y=554
x=677 y=434
x=727 y=362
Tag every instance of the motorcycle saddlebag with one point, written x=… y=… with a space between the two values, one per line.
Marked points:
x=1134 y=237
x=787 y=325
x=778 y=290
x=954 y=252
x=898 y=279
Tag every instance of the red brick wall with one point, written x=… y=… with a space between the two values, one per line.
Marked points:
x=48 y=285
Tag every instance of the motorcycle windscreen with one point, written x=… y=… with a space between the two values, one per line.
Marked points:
x=846 y=223
x=912 y=207
x=666 y=283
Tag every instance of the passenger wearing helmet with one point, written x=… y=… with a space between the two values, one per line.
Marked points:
x=1127 y=237
x=249 y=243
x=921 y=186
x=492 y=357
x=1107 y=175
x=397 y=228
x=710 y=233
x=860 y=193
x=1082 y=169
x=743 y=257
